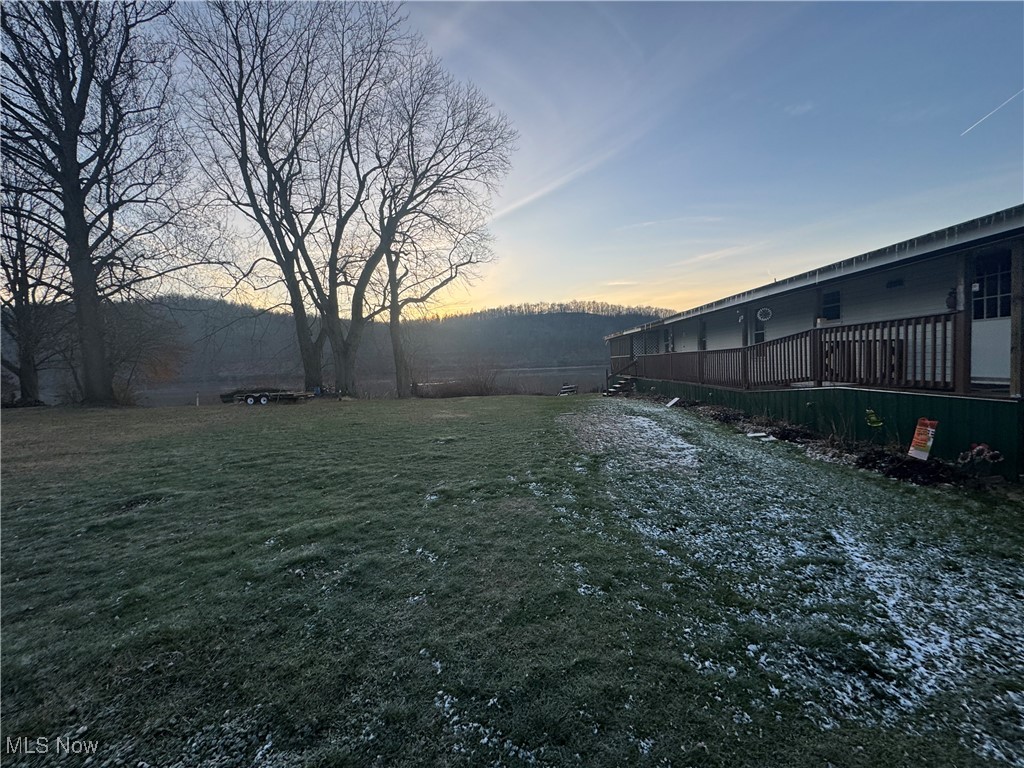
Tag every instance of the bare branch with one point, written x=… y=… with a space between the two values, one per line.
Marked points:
x=89 y=130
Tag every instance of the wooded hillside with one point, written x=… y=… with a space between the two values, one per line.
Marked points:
x=209 y=345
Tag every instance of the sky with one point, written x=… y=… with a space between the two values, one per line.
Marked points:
x=673 y=153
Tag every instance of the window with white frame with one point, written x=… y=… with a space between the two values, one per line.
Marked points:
x=990 y=291
x=758 y=330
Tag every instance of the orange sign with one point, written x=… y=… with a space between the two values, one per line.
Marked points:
x=924 y=435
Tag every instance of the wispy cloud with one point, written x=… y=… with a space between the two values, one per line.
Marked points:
x=721 y=253
x=666 y=222
x=910 y=114
x=555 y=184
x=620 y=283
x=986 y=117
x=795 y=110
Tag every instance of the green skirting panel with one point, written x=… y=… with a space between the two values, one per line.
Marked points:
x=842 y=411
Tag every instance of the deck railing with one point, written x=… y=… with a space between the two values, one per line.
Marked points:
x=913 y=353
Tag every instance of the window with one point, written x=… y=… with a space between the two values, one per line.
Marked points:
x=830 y=306
x=991 y=288
x=758 y=330
x=669 y=340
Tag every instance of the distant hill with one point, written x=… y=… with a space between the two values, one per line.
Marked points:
x=213 y=345
x=566 y=307
x=541 y=336
x=227 y=339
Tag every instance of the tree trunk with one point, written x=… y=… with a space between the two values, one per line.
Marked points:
x=26 y=333
x=97 y=376
x=347 y=374
x=28 y=373
x=309 y=350
x=97 y=380
x=335 y=332
x=403 y=381
x=339 y=354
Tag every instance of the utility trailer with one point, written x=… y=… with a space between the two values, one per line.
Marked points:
x=264 y=396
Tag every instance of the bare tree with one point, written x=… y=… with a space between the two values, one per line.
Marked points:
x=284 y=95
x=440 y=150
x=329 y=127
x=281 y=89
x=31 y=286
x=444 y=153
x=420 y=264
x=88 y=117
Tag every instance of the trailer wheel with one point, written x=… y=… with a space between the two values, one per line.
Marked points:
x=250 y=400
x=264 y=399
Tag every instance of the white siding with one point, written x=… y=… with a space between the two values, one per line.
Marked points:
x=724 y=330
x=990 y=350
x=925 y=286
x=685 y=335
x=863 y=299
x=791 y=313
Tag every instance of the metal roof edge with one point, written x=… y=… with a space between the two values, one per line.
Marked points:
x=994 y=224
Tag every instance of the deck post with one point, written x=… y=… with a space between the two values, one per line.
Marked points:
x=962 y=352
x=962 y=325
x=817 y=374
x=1017 y=319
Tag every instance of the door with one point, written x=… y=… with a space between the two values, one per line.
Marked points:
x=990 y=319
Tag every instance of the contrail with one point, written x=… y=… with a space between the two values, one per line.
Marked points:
x=986 y=117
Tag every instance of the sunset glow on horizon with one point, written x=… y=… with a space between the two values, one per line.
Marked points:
x=672 y=153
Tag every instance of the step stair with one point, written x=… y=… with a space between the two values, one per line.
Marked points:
x=623 y=385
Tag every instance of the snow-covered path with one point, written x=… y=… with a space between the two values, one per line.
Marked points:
x=859 y=597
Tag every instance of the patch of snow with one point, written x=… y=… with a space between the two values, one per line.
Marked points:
x=263 y=751
x=430 y=556
x=644 y=443
x=873 y=631
x=468 y=731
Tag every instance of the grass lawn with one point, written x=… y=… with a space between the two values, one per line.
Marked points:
x=492 y=581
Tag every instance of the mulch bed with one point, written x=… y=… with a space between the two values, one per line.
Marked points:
x=885 y=461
